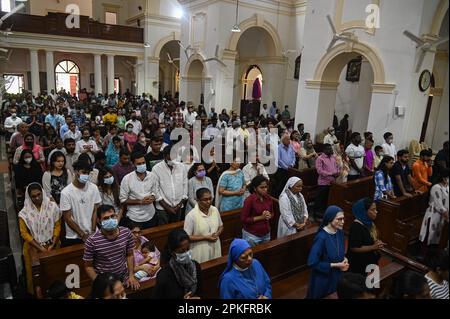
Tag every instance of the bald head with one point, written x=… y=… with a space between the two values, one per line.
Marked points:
x=286 y=140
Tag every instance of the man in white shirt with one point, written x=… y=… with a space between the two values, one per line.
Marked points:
x=251 y=170
x=162 y=115
x=71 y=155
x=138 y=191
x=73 y=133
x=79 y=203
x=356 y=155
x=12 y=121
x=388 y=146
x=264 y=111
x=86 y=145
x=212 y=130
x=173 y=188
x=137 y=125
x=189 y=119
x=184 y=110
x=330 y=138
x=272 y=138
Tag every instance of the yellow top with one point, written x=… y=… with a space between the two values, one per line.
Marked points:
x=26 y=235
x=110 y=117
x=73 y=295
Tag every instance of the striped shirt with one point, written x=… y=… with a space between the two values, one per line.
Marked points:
x=437 y=291
x=109 y=255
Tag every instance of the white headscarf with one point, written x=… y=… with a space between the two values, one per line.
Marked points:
x=40 y=222
x=291 y=182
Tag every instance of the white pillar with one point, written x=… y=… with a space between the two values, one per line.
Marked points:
x=50 y=71
x=110 y=74
x=98 y=73
x=34 y=62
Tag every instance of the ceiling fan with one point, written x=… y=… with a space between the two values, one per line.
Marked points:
x=216 y=58
x=424 y=46
x=343 y=36
x=171 y=61
x=188 y=48
x=13 y=11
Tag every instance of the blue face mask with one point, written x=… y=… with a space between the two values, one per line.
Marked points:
x=83 y=179
x=109 y=180
x=184 y=258
x=110 y=224
x=141 y=168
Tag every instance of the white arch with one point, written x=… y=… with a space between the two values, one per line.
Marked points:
x=255 y=21
x=326 y=72
x=175 y=36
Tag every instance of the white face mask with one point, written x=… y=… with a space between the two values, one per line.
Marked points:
x=28 y=160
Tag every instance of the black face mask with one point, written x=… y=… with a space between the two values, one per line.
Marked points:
x=134 y=118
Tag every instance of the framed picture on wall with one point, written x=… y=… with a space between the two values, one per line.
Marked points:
x=354 y=70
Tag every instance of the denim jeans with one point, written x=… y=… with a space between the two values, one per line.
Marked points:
x=255 y=240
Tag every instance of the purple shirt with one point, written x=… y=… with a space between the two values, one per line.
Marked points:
x=120 y=171
x=109 y=255
x=326 y=167
x=369 y=158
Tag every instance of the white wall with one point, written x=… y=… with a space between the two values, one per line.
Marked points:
x=398 y=56
x=98 y=10
x=354 y=98
x=42 y=7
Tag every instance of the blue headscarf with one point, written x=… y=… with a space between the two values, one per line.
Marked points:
x=360 y=212
x=237 y=247
x=330 y=214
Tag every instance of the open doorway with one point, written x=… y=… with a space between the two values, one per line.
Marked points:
x=67 y=75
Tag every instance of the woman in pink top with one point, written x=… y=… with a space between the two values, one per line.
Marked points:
x=146 y=257
x=295 y=141
x=130 y=137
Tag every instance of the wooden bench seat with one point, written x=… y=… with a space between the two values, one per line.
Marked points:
x=50 y=266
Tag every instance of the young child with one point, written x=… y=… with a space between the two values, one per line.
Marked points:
x=58 y=290
x=147 y=262
x=378 y=156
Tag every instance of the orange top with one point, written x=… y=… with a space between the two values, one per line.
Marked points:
x=421 y=174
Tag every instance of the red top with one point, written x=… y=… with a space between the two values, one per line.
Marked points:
x=253 y=207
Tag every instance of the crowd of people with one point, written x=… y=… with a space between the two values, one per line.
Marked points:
x=98 y=170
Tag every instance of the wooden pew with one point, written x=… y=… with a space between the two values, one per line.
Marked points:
x=309 y=177
x=399 y=220
x=350 y=192
x=50 y=266
x=293 y=250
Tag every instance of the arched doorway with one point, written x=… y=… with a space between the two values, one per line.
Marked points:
x=67 y=76
x=252 y=81
x=195 y=82
x=349 y=77
x=256 y=51
x=169 y=65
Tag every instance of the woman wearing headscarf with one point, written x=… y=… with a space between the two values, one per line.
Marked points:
x=40 y=226
x=327 y=255
x=180 y=277
x=363 y=242
x=293 y=209
x=244 y=277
